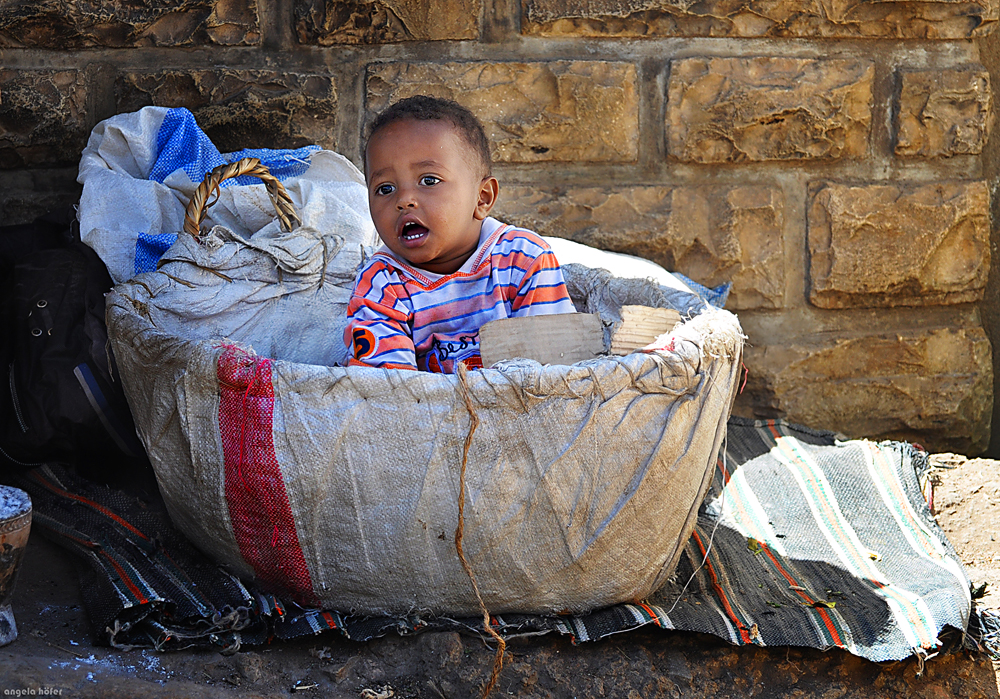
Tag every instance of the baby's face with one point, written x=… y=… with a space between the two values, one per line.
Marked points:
x=425 y=193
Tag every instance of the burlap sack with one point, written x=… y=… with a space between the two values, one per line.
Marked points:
x=341 y=485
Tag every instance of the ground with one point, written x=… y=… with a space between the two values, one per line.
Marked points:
x=967 y=506
x=53 y=655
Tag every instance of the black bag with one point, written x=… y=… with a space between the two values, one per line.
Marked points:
x=60 y=399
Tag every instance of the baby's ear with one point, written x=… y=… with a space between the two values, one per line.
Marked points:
x=489 y=189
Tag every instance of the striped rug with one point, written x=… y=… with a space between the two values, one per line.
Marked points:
x=803 y=540
x=808 y=541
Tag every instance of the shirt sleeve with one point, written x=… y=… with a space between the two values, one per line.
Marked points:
x=542 y=290
x=378 y=320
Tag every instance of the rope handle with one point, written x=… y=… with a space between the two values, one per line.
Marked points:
x=198 y=205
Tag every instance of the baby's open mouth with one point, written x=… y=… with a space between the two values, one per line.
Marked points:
x=412 y=230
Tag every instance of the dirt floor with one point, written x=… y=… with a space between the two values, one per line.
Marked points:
x=53 y=655
x=967 y=506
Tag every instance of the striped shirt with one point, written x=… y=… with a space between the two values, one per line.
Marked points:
x=402 y=317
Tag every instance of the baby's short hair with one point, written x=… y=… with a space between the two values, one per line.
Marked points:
x=425 y=108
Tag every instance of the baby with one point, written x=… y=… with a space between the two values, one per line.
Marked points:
x=446 y=267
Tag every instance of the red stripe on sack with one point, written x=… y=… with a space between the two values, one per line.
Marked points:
x=259 y=509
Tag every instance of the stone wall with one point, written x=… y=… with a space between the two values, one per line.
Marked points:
x=830 y=159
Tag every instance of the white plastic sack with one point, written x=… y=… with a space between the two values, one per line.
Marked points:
x=140 y=169
x=618 y=264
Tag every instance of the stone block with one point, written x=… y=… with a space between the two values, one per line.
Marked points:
x=887 y=19
x=43 y=117
x=570 y=111
x=242 y=108
x=51 y=24
x=710 y=233
x=756 y=109
x=331 y=22
x=942 y=113
x=898 y=245
x=934 y=387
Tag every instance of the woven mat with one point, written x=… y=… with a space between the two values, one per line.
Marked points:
x=802 y=541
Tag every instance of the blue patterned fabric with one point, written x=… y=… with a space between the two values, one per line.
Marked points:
x=182 y=145
x=150 y=248
x=281 y=163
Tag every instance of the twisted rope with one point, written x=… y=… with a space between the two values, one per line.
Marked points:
x=198 y=205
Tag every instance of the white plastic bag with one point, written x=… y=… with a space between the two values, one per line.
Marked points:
x=140 y=169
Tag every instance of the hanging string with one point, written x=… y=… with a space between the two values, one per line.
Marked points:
x=460 y=532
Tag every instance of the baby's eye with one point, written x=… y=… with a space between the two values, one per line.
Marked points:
x=429 y=180
x=384 y=189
